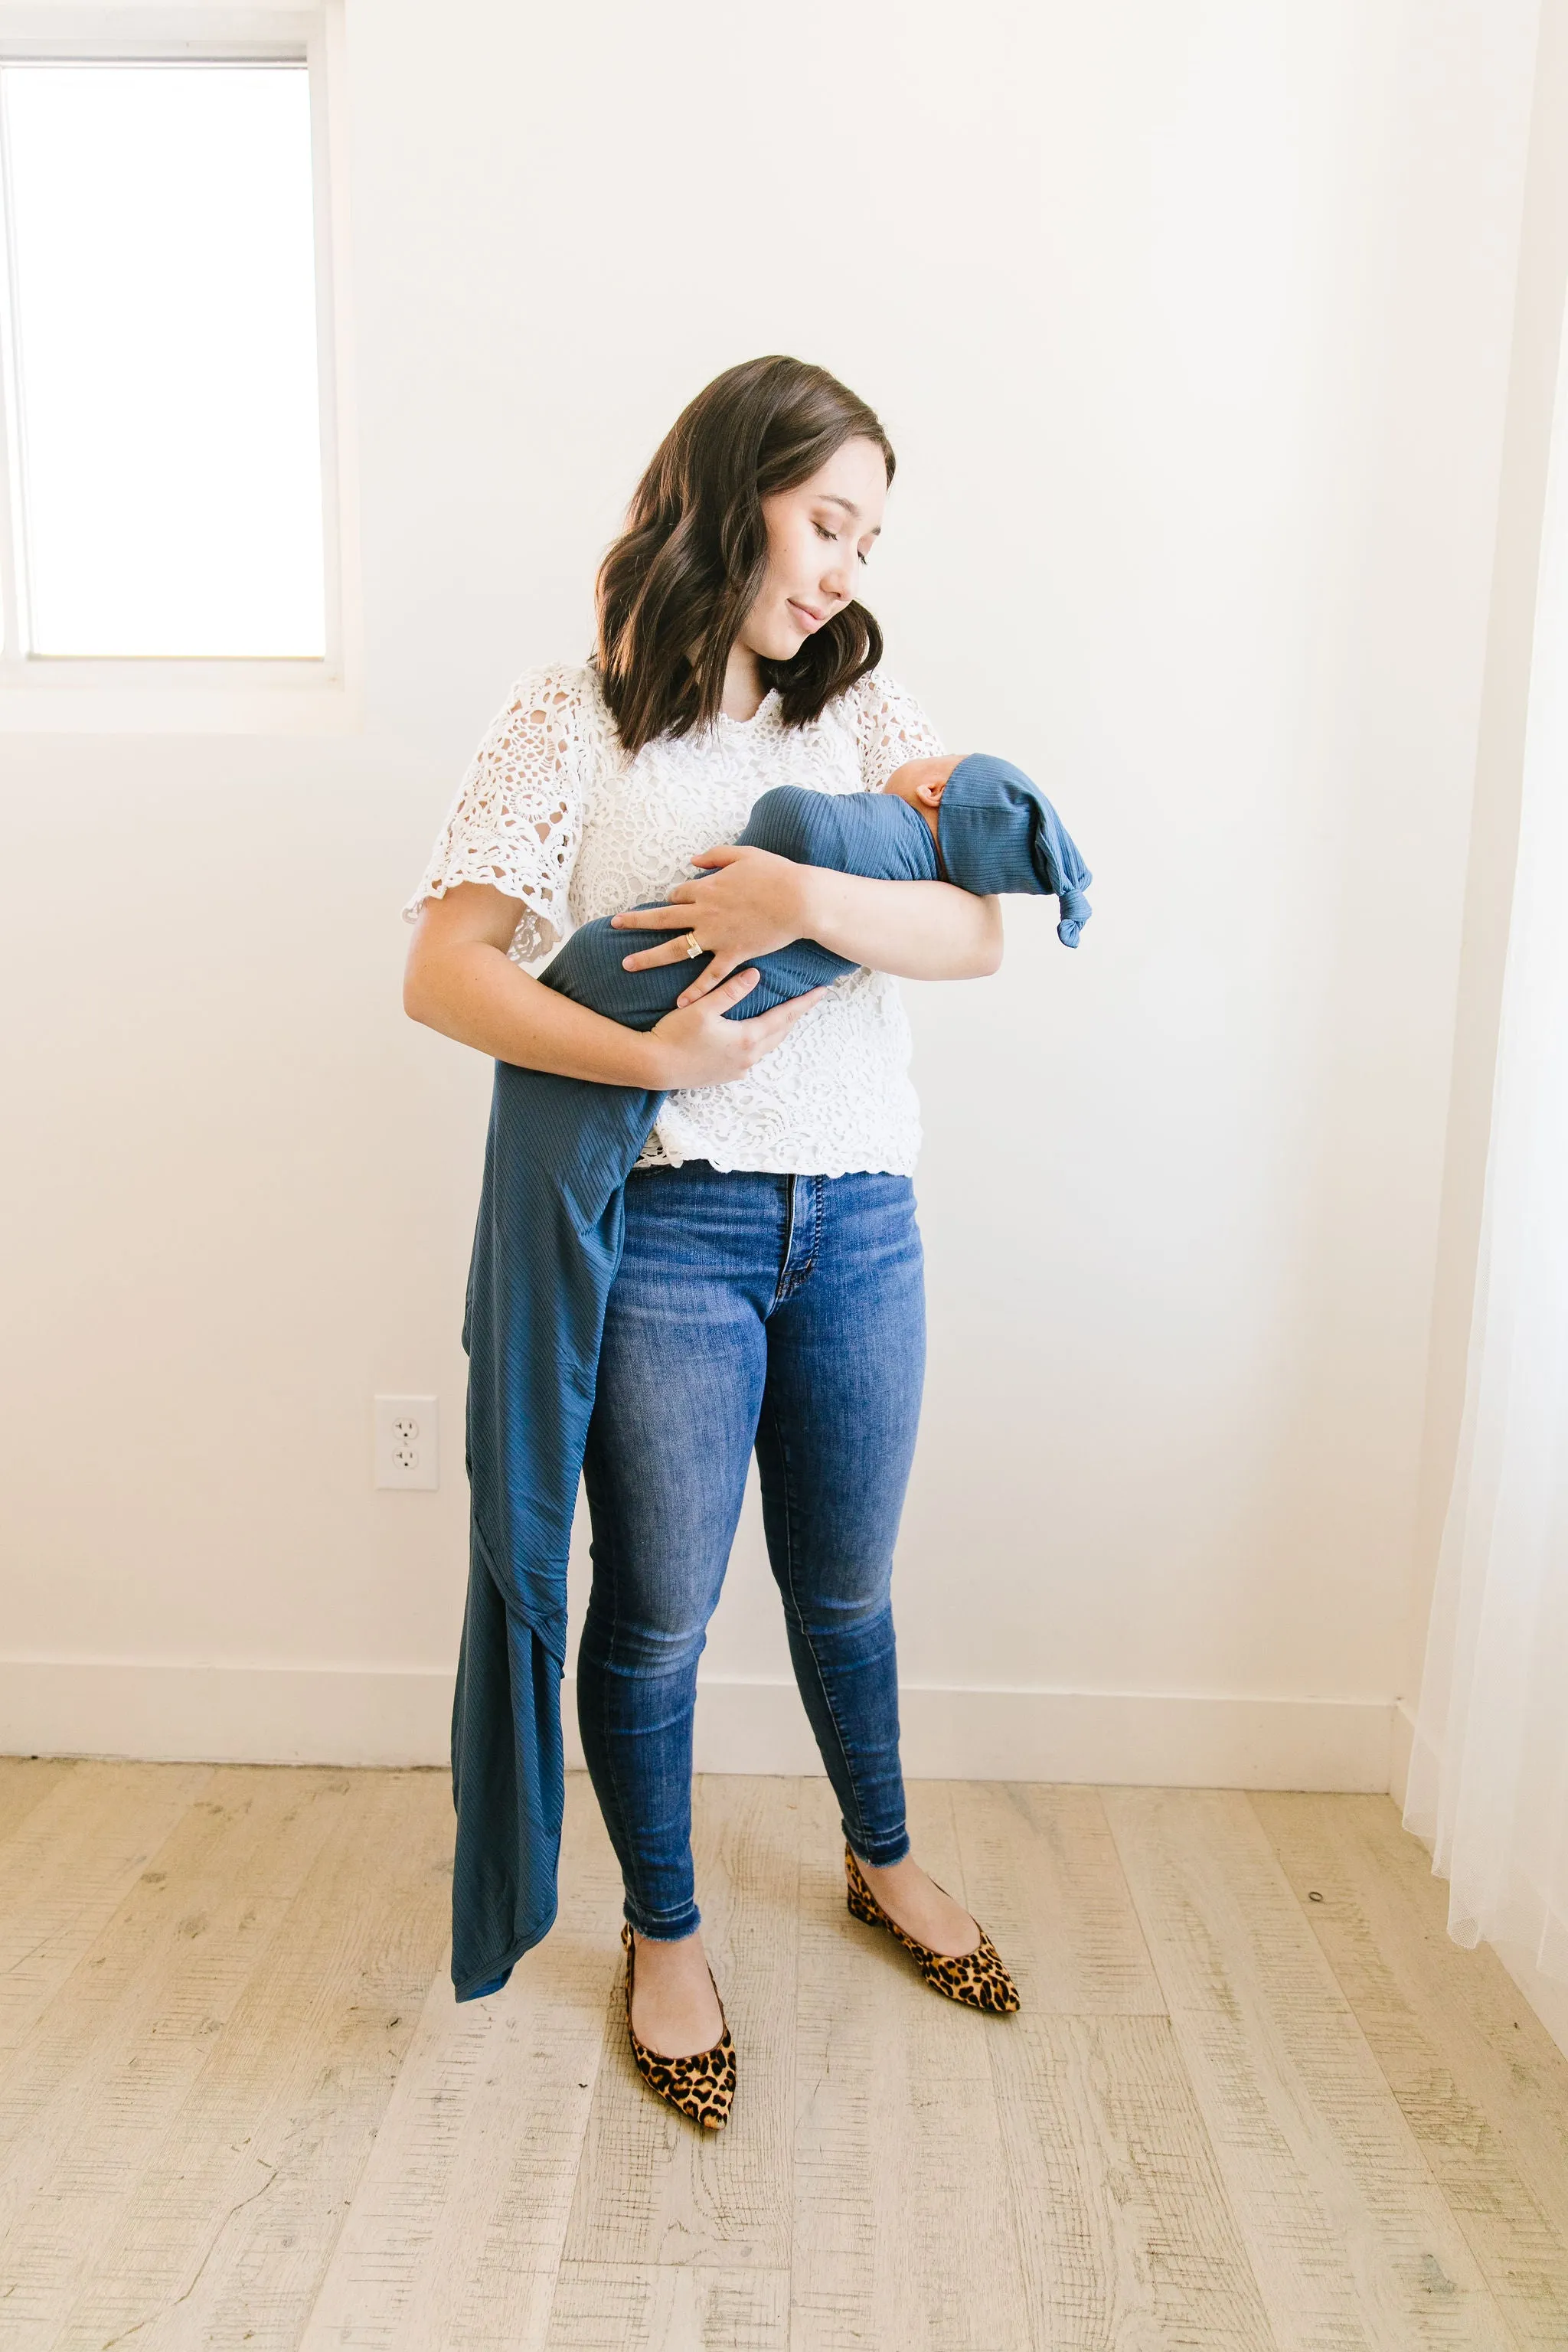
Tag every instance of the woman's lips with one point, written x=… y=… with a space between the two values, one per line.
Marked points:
x=804 y=615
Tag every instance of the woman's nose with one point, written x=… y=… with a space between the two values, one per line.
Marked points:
x=837 y=578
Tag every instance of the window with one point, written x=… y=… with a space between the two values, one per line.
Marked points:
x=170 y=507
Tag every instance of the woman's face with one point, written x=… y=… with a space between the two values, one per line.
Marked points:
x=819 y=535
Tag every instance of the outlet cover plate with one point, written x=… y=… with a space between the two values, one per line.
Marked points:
x=407 y=1442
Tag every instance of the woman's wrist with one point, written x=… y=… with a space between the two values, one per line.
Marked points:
x=657 y=1064
x=810 y=912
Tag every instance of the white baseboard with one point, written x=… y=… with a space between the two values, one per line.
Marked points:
x=1401 y=1742
x=291 y=1715
x=223 y=1715
x=1131 y=1737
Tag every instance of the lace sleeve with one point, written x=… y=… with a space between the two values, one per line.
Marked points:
x=517 y=818
x=889 y=728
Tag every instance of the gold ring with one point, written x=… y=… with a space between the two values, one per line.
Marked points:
x=693 y=945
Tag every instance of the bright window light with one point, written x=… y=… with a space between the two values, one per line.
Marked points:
x=165 y=361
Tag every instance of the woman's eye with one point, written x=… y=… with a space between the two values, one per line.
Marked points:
x=865 y=559
x=823 y=532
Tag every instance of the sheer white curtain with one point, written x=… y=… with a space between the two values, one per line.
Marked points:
x=1489 y=1778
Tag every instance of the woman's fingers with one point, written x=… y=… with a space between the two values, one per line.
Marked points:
x=730 y=991
x=769 y=1027
x=666 y=951
x=658 y=918
x=706 y=1050
x=719 y=968
x=706 y=981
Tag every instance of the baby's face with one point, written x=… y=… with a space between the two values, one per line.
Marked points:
x=921 y=783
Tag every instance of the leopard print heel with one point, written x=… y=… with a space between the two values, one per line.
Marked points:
x=979 y=1979
x=701 y=2087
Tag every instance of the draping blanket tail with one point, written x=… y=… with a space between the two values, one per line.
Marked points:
x=509 y=1786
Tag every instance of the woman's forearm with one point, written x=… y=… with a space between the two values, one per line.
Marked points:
x=462 y=982
x=921 y=931
x=473 y=991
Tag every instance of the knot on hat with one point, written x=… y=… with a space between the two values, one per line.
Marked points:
x=1076 y=911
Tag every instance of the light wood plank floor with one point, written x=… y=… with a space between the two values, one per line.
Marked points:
x=1254 y=2101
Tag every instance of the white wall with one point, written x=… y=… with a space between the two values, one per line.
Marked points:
x=1190 y=321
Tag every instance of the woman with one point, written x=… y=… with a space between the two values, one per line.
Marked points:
x=769 y=1293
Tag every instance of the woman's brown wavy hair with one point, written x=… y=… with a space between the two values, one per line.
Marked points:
x=677 y=585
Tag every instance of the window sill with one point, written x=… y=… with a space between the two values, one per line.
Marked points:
x=80 y=696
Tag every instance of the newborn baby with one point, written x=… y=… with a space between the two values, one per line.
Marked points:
x=994 y=830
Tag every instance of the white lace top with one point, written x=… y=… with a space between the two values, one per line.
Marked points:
x=553 y=813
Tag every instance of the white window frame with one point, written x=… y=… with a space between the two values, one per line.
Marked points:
x=199 y=693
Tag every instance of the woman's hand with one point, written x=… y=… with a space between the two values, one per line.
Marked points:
x=698 y=1047
x=749 y=904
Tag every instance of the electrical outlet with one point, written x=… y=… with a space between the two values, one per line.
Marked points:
x=407 y=1442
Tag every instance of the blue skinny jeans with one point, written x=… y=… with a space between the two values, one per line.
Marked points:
x=787 y=1313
